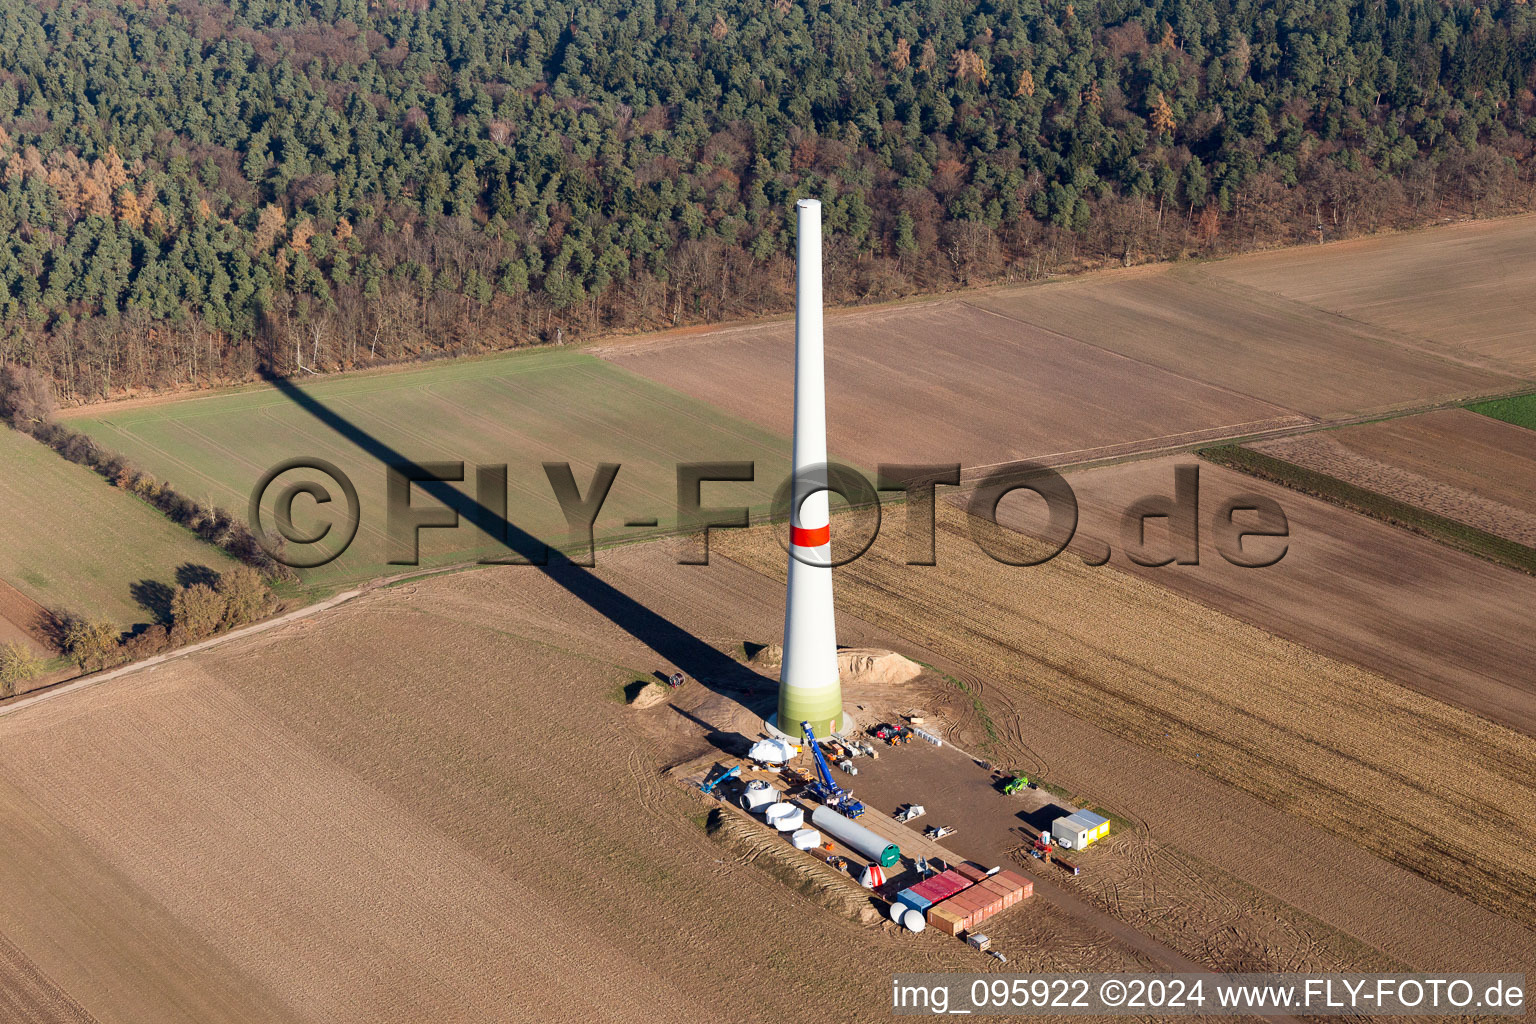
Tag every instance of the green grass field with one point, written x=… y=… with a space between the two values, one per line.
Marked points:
x=71 y=541
x=520 y=409
x=1520 y=411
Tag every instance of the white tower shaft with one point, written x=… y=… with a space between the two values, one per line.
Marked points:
x=809 y=689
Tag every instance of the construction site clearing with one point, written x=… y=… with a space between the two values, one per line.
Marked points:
x=927 y=818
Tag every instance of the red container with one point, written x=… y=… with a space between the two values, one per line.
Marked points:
x=1016 y=880
x=951 y=882
x=1019 y=887
x=975 y=872
x=941 y=886
x=934 y=893
x=967 y=905
x=995 y=891
x=986 y=904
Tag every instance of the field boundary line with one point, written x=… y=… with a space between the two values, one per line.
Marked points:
x=26 y=701
x=1375 y=504
x=1139 y=449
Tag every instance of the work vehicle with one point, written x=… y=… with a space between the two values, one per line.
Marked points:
x=1017 y=784
x=709 y=787
x=825 y=788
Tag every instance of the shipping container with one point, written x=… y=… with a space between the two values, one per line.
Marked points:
x=946 y=919
x=975 y=872
x=913 y=899
x=970 y=900
x=1012 y=891
x=967 y=909
x=943 y=885
x=976 y=905
x=1024 y=886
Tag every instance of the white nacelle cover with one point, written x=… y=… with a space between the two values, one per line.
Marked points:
x=789 y=821
x=771 y=751
x=806 y=839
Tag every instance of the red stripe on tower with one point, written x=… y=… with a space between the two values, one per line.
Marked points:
x=810 y=538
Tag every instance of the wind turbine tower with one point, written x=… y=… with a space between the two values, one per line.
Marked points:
x=809 y=688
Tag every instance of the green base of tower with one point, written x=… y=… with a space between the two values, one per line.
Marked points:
x=823 y=710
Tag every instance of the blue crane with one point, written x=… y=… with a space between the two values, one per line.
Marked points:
x=709 y=787
x=826 y=788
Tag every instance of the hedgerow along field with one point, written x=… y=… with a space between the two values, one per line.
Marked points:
x=72 y=542
x=521 y=410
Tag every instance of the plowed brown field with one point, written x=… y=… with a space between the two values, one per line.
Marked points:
x=1469 y=289
x=949 y=382
x=23 y=620
x=1435 y=789
x=1189 y=321
x=1444 y=622
x=427 y=805
x=431 y=804
x=1473 y=469
x=1142 y=359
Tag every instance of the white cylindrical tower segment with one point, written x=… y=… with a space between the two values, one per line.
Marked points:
x=809 y=689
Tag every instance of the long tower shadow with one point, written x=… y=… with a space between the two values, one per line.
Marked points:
x=712 y=668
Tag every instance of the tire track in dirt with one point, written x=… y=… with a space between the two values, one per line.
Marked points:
x=1070 y=645
x=288 y=846
x=28 y=996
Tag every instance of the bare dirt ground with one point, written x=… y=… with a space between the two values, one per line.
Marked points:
x=1456 y=463
x=1186 y=320
x=1444 y=622
x=1470 y=289
x=1131 y=360
x=946 y=381
x=432 y=803
x=27 y=996
x=23 y=620
x=280 y=829
x=1151 y=885
x=1345 y=750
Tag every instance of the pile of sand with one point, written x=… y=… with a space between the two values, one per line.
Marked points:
x=650 y=695
x=863 y=666
x=871 y=667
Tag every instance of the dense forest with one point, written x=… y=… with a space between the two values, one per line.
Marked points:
x=193 y=192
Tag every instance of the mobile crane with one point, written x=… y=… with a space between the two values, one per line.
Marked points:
x=825 y=788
